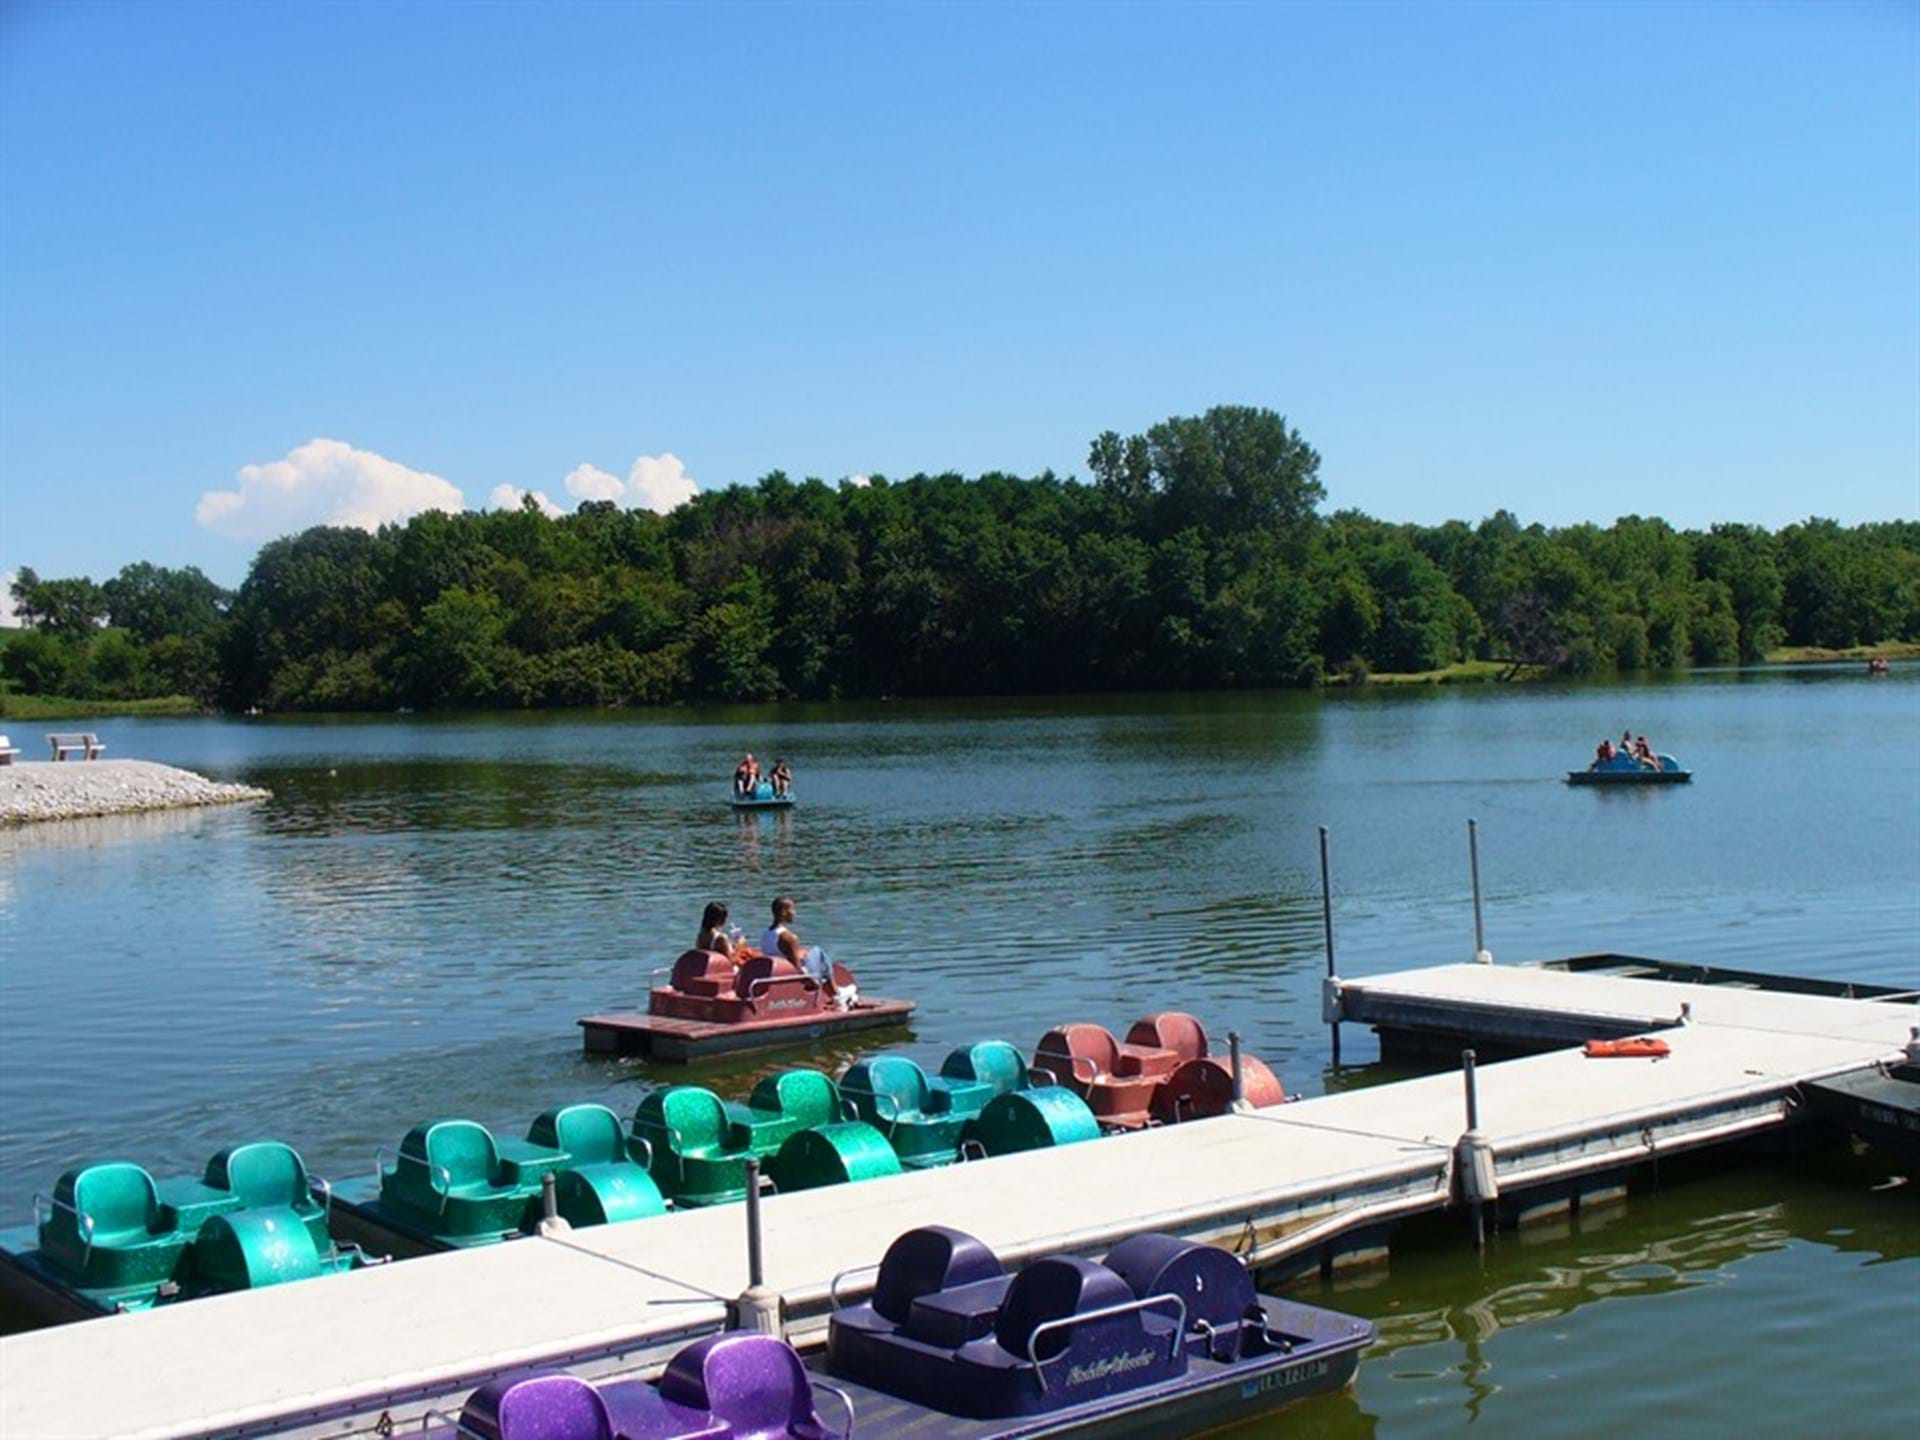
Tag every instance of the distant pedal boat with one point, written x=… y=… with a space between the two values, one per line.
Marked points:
x=1623 y=769
x=761 y=797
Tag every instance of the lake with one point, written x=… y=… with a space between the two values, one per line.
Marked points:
x=414 y=922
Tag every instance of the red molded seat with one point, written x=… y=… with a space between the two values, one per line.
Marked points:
x=1116 y=1081
x=703 y=972
x=773 y=983
x=1173 y=1030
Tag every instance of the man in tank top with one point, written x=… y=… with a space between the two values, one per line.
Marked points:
x=780 y=938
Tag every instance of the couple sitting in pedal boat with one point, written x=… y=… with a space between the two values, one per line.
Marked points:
x=780 y=938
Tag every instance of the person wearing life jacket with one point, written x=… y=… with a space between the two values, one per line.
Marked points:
x=1602 y=755
x=782 y=939
x=746 y=775
x=1643 y=752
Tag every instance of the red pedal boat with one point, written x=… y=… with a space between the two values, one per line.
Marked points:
x=1164 y=1072
x=712 y=1005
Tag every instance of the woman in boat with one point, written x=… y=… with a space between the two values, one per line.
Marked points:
x=782 y=778
x=713 y=930
x=1643 y=752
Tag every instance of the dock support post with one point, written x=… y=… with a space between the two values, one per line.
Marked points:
x=1481 y=954
x=1326 y=917
x=1913 y=1045
x=1240 y=1104
x=758 y=1308
x=1473 y=1166
x=550 y=1221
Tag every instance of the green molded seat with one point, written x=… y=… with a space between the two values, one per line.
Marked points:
x=832 y=1155
x=601 y=1183
x=785 y=1103
x=973 y=1074
x=700 y=1151
x=893 y=1094
x=1033 y=1119
x=450 y=1180
x=265 y=1173
x=254 y=1248
x=107 y=1229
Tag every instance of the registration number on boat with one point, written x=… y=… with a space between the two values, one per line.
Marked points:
x=1285 y=1379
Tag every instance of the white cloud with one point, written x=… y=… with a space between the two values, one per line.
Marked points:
x=659 y=483
x=508 y=497
x=655 y=482
x=323 y=482
x=590 y=482
x=8 y=619
x=855 y=482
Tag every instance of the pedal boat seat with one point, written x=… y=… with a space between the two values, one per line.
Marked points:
x=892 y=1094
x=1224 y=1316
x=932 y=1260
x=602 y=1183
x=753 y=1386
x=265 y=1173
x=550 y=1406
x=700 y=1152
x=452 y=1179
x=1117 y=1081
x=787 y=1102
x=107 y=1229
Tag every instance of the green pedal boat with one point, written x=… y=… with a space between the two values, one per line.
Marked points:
x=982 y=1103
x=113 y=1238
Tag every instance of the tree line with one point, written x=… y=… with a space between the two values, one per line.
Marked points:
x=1195 y=556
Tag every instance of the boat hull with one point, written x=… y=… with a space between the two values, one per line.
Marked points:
x=1881 y=1107
x=1629 y=777
x=668 y=1037
x=1209 y=1396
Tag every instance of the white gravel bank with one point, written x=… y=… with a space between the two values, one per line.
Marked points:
x=71 y=789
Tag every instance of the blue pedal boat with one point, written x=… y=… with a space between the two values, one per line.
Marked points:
x=1623 y=769
x=1166 y=1338
x=761 y=797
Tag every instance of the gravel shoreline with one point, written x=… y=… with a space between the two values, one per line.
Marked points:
x=75 y=789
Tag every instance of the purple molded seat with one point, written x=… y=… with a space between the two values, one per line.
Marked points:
x=755 y=1383
x=538 y=1407
x=565 y=1407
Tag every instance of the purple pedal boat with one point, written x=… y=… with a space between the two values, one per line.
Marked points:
x=1166 y=1338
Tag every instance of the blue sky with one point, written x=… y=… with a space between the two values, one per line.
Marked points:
x=1575 y=261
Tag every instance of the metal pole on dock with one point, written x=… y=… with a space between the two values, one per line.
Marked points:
x=550 y=1221
x=1481 y=954
x=756 y=1270
x=1473 y=1165
x=1326 y=917
x=1239 y=1076
x=757 y=1307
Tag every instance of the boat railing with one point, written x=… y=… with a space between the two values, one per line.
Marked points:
x=844 y=1398
x=972 y=1149
x=459 y=1426
x=833 y=1285
x=1105 y=1312
x=1074 y=1062
x=814 y=982
x=321 y=1186
x=81 y=1218
x=891 y=1121
x=439 y=1178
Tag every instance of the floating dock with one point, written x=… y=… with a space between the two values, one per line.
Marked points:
x=1310 y=1183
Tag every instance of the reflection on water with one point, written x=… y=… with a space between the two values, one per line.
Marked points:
x=413 y=923
x=1637 y=1309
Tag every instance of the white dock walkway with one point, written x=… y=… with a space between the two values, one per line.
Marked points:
x=333 y=1356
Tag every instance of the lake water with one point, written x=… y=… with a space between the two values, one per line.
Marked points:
x=413 y=923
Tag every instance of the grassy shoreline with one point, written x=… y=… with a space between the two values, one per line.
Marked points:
x=61 y=707
x=1814 y=655
x=1465 y=672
